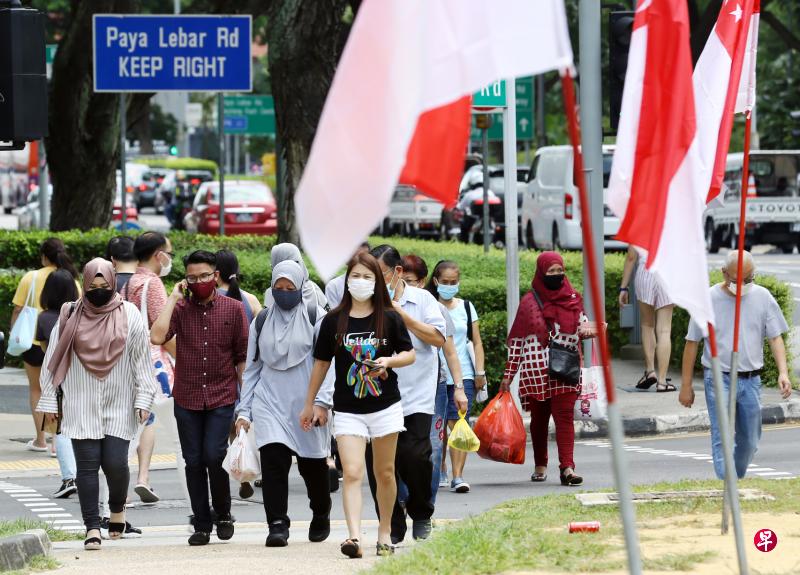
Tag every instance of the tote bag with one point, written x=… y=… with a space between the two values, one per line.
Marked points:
x=20 y=339
x=592 y=403
x=160 y=371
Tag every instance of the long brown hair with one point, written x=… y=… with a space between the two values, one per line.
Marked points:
x=381 y=303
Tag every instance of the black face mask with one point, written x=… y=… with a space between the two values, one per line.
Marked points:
x=287 y=299
x=99 y=297
x=554 y=282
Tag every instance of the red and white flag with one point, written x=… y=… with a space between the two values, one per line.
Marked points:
x=725 y=83
x=403 y=77
x=656 y=184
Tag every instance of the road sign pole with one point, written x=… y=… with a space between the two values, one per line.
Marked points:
x=221 y=128
x=510 y=183
x=541 y=139
x=123 y=110
x=486 y=241
x=44 y=189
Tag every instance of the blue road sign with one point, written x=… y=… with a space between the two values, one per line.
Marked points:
x=235 y=124
x=187 y=53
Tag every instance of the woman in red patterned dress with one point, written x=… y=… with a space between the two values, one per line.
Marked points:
x=557 y=316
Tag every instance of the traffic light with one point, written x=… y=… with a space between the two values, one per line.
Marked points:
x=23 y=79
x=173 y=150
x=620 y=29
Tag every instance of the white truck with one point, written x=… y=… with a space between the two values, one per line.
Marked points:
x=773 y=206
x=412 y=214
x=14 y=177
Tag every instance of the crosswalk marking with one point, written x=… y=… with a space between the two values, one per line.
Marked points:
x=44 y=509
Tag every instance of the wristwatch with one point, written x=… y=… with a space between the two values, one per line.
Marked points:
x=623 y=289
x=459 y=385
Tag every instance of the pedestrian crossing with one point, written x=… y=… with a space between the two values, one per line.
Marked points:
x=42 y=507
x=753 y=469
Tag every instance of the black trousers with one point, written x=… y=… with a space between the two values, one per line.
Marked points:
x=276 y=461
x=413 y=467
x=110 y=453
x=204 y=443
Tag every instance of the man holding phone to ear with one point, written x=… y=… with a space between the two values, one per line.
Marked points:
x=211 y=334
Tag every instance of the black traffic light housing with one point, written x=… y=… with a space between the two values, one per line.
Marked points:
x=620 y=29
x=23 y=75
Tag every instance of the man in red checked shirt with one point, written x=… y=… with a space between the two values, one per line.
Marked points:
x=211 y=332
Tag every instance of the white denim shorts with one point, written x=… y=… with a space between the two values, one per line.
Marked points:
x=370 y=425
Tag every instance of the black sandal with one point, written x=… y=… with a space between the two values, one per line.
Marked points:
x=646 y=382
x=92 y=544
x=570 y=479
x=538 y=477
x=384 y=549
x=665 y=387
x=116 y=530
x=351 y=548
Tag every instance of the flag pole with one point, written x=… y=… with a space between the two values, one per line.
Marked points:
x=723 y=424
x=615 y=429
x=739 y=282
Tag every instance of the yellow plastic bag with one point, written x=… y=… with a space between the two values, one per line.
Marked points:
x=462 y=437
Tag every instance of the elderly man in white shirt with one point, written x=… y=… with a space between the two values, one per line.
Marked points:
x=417 y=382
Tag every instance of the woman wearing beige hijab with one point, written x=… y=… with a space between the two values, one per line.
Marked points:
x=98 y=360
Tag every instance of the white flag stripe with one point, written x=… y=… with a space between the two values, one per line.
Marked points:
x=746 y=97
x=405 y=57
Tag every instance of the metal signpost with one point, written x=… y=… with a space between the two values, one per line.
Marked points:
x=491 y=97
x=178 y=53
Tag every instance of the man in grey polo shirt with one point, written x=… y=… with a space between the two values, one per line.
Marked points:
x=423 y=318
x=761 y=318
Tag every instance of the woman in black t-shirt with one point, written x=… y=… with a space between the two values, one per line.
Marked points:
x=369 y=340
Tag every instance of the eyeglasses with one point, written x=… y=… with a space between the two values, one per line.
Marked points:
x=201 y=278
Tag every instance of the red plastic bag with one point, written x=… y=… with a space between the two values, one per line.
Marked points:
x=501 y=431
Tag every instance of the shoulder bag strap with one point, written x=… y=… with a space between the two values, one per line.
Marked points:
x=260 y=319
x=30 y=299
x=541 y=308
x=468 y=309
x=143 y=302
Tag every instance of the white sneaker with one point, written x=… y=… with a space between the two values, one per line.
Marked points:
x=444 y=480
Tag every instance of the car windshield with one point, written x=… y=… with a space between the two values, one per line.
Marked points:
x=241 y=194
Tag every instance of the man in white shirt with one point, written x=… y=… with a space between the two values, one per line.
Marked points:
x=761 y=318
x=423 y=318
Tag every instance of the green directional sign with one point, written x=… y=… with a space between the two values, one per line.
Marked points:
x=525 y=103
x=252 y=115
x=492 y=96
x=50 y=53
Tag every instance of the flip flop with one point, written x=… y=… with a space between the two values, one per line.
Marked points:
x=31 y=447
x=146 y=494
x=646 y=382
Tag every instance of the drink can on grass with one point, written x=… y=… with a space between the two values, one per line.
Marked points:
x=584 y=526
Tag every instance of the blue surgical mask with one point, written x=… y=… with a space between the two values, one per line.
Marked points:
x=389 y=286
x=287 y=299
x=447 y=292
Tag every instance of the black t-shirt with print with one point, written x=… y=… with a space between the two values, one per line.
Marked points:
x=355 y=391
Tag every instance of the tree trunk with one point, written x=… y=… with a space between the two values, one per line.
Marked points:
x=83 y=147
x=305 y=42
x=140 y=125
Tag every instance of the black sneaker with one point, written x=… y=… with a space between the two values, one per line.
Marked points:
x=225 y=527
x=278 y=534
x=246 y=490
x=421 y=529
x=199 y=538
x=320 y=529
x=67 y=488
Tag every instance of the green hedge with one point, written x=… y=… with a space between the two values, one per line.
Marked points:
x=483 y=279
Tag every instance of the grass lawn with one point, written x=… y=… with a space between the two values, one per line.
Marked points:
x=37 y=565
x=18 y=526
x=531 y=535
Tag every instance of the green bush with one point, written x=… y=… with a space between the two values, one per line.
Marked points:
x=483 y=279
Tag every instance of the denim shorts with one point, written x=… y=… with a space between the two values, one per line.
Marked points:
x=469 y=389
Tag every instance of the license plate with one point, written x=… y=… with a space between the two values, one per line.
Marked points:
x=244 y=218
x=796 y=227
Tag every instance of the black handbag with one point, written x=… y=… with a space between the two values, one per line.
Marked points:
x=564 y=362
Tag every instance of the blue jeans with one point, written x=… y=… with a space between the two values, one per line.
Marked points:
x=748 y=421
x=438 y=425
x=66 y=457
x=469 y=390
x=204 y=442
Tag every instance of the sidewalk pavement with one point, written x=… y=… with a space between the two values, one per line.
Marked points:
x=644 y=413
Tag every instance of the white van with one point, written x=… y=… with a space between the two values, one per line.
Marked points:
x=551 y=217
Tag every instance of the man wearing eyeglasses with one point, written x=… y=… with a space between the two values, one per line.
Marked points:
x=760 y=317
x=211 y=332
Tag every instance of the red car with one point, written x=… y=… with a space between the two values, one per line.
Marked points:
x=250 y=208
x=131 y=213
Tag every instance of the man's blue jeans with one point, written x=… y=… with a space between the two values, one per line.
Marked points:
x=748 y=421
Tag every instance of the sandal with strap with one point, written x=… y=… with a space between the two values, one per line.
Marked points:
x=570 y=479
x=647 y=381
x=92 y=544
x=351 y=548
x=384 y=549
x=665 y=387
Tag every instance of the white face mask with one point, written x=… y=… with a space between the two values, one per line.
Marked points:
x=165 y=269
x=361 y=289
x=745 y=288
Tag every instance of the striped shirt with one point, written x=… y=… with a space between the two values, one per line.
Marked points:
x=93 y=409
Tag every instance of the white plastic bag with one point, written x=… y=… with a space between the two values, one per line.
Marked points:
x=241 y=461
x=592 y=403
x=21 y=337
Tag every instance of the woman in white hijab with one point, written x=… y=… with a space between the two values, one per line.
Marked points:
x=275 y=388
x=312 y=294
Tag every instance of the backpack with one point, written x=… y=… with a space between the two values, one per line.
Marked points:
x=311 y=307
